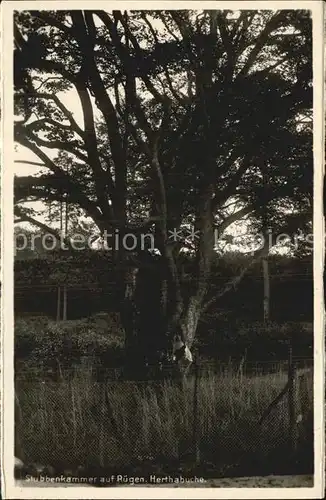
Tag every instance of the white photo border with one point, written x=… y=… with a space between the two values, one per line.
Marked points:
x=10 y=489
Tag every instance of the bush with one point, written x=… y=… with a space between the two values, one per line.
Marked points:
x=44 y=343
x=224 y=338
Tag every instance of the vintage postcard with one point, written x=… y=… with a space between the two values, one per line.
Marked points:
x=162 y=308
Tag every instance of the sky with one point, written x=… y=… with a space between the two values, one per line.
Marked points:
x=71 y=100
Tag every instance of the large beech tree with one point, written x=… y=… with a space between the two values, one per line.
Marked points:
x=184 y=114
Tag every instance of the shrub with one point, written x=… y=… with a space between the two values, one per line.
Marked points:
x=44 y=343
x=260 y=341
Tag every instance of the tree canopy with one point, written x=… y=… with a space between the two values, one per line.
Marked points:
x=189 y=119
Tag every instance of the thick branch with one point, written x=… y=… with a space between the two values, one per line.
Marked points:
x=234 y=282
x=100 y=177
x=151 y=29
x=52 y=21
x=51 y=66
x=166 y=26
x=138 y=51
x=160 y=191
x=91 y=73
x=242 y=25
x=35 y=163
x=181 y=99
x=67 y=114
x=227 y=42
x=26 y=218
x=239 y=214
x=128 y=69
x=117 y=97
x=183 y=24
x=18 y=37
x=261 y=40
x=204 y=223
x=233 y=183
x=43 y=122
x=78 y=195
x=56 y=144
x=47 y=80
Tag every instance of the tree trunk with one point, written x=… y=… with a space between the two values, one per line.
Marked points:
x=154 y=312
x=266 y=233
x=153 y=319
x=128 y=317
x=150 y=317
x=190 y=319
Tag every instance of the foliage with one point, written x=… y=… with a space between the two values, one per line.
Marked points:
x=41 y=342
x=86 y=267
x=183 y=112
x=224 y=338
x=245 y=94
x=43 y=345
x=92 y=285
x=70 y=267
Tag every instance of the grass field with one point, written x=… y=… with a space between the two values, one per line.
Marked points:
x=79 y=426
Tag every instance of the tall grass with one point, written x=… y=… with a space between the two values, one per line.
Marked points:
x=81 y=423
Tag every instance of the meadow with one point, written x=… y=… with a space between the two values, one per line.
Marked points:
x=78 y=426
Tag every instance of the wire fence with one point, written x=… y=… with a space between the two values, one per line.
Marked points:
x=223 y=418
x=87 y=285
x=91 y=366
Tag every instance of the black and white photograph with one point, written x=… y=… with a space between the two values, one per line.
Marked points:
x=162 y=304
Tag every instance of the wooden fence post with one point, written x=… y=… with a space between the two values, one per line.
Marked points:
x=292 y=398
x=101 y=449
x=65 y=300
x=18 y=422
x=58 y=303
x=196 y=430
